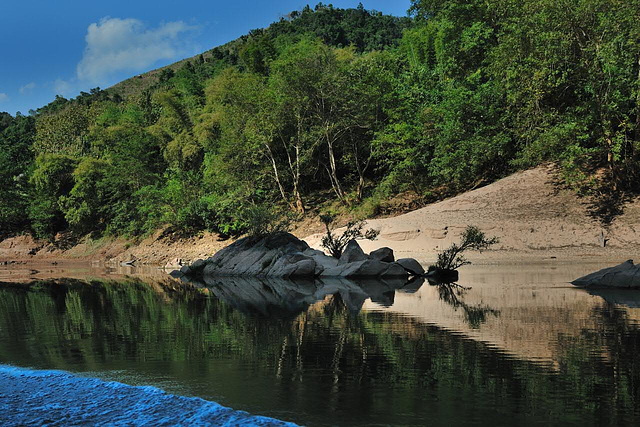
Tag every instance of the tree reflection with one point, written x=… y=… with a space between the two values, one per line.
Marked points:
x=363 y=366
x=452 y=293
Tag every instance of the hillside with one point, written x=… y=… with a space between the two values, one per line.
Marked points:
x=337 y=110
x=365 y=30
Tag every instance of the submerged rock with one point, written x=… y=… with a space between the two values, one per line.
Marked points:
x=625 y=275
x=442 y=275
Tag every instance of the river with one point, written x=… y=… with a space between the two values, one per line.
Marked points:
x=509 y=345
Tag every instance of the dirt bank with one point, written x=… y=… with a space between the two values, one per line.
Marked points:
x=162 y=248
x=534 y=218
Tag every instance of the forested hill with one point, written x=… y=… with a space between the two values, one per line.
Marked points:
x=337 y=106
x=362 y=29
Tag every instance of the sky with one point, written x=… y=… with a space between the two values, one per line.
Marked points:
x=50 y=47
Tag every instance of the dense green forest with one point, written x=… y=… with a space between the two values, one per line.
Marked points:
x=343 y=106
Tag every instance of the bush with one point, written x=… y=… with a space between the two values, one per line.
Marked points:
x=335 y=244
x=472 y=239
x=262 y=220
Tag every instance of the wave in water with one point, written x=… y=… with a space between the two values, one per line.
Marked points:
x=60 y=398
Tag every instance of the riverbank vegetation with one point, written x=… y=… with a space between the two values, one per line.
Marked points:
x=343 y=106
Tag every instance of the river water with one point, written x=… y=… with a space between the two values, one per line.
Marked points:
x=511 y=345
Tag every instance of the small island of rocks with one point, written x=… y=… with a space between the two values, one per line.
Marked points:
x=283 y=255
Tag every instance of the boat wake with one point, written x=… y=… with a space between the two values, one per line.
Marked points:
x=59 y=398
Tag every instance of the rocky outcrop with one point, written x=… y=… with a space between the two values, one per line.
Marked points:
x=352 y=253
x=285 y=256
x=412 y=266
x=383 y=254
x=625 y=275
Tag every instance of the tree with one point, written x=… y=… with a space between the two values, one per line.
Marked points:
x=16 y=139
x=52 y=178
x=472 y=239
x=63 y=132
x=335 y=244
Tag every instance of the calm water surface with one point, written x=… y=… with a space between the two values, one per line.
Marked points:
x=520 y=347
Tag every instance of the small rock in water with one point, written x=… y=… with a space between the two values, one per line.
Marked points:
x=625 y=275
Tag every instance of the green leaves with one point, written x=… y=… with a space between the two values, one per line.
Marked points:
x=349 y=103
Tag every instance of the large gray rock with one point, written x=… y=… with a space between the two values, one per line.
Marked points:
x=198 y=264
x=323 y=262
x=411 y=265
x=625 y=275
x=352 y=253
x=277 y=255
x=292 y=265
x=285 y=256
x=366 y=269
x=383 y=254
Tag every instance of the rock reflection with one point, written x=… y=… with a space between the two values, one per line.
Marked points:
x=272 y=297
x=625 y=297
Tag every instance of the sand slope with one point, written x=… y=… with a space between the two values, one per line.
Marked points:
x=529 y=212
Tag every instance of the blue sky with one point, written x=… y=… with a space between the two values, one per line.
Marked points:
x=50 y=47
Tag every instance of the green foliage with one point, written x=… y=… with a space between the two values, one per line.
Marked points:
x=64 y=132
x=263 y=220
x=52 y=179
x=16 y=139
x=472 y=239
x=346 y=102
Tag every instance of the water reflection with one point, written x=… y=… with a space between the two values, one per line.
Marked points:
x=316 y=354
x=452 y=293
x=626 y=297
x=274 y=297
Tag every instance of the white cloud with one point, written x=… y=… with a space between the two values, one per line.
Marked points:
x=28 y=88
x=115 y=44
x=63 y=87
x=3 y=97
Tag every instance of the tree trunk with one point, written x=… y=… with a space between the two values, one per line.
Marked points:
x=360 y=190
x=333 y=172
x=277 y=176
x=611 y=164
x=361 y=171
x=637 y=136
x=296 y=181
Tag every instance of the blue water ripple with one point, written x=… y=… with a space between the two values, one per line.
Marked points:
x=56 y=398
